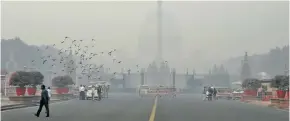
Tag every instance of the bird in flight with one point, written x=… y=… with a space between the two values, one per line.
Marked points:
x=44 y=61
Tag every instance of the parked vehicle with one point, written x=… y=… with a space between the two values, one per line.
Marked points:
x=237 y=94
x=223 y=93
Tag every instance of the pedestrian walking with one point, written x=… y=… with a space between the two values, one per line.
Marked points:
x=99 y=90
x=49 y=93
x=43 y=101
x=259 y=93
x=204 y=93
x=82 y=92
x=93 y=92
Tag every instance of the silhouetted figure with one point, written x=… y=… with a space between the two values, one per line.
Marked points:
x=214 y=93
x=99 y=90
x=82 y=92
x=49 y=93
x=43 y=101
x=93 y=92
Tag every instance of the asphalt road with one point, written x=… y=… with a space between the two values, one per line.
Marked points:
x=129 y=107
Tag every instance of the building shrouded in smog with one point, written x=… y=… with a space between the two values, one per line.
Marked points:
x=159 y=46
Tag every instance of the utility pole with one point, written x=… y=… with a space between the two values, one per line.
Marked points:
x=142 y=76
x=173 y=77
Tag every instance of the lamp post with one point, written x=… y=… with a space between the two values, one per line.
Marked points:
x=142 y=76
x=286 y=71
x=173 y=77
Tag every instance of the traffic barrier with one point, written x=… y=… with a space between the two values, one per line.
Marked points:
x=275 y=102
x=274 y=94
x=287 y=95
x=267 y=98
x=245 y=98
x=284 y=104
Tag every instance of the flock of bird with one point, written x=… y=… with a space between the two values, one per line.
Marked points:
x=76 y=49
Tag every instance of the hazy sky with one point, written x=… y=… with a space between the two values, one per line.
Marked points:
x=210 y=31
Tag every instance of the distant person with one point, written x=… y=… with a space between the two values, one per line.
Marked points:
x=49 y=93
x=204 y=93
x=85 y=92
x=260 y=91
x=214 y=93
x=43 y=101
x=99 y=90
x=107 y=90
x=82 y=92
x=209 y=93
x=93 y=92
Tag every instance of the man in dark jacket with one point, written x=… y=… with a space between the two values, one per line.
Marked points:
x=43 y=101
x=99 y=90
x=214 y=93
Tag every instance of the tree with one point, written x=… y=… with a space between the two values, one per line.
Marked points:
x=22 y=78
x=251 y=83
x=37 y=78
x=62 y=81
x=281 y=82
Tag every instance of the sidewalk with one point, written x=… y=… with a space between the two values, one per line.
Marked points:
x=5 y=101
x=266 y=104
x=261 y=103
x=8 y=105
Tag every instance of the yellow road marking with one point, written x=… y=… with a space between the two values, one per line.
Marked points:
x=152 y=116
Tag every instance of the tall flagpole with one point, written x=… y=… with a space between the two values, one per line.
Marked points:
x=159 y=33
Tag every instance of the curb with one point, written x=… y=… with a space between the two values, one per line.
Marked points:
x=17 y=106
x=278 y=107
x=6 y=106
x=270 y=106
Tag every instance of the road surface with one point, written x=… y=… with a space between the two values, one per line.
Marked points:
x=129 y=107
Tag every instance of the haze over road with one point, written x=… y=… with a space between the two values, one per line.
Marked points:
x=129 y=107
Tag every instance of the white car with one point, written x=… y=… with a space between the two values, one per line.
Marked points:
x=237 y=94
x=89 y=93
x=143 y=90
